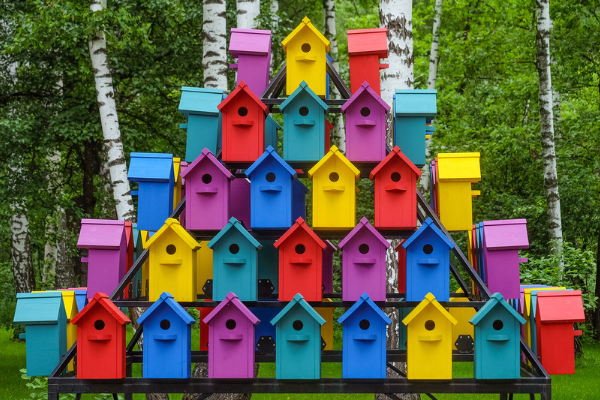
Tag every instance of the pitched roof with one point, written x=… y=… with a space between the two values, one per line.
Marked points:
x=365 y=299
x=495 y=300
x=249 y=41
x=151 y=167
x=101 y=234
x=527 y=296
x=300 y=224
x=234 y=223
x=561 y=306
x=458 y=167
x=299 y=300
x=368 y=41
x=334 y=152
x=232 y=299
x=101 y=300
x=169 y=300
x=173 y=225
x=428 y=224
x=270 y=152
x=510 y=234
x=68 y=300
x=206 y=154
x=396 y=152
x=42 y=308
x=366 y=89
x=364 y=224
x=243 y=87
x=429 y=300
x=303 y=87
x=305 y=24
x=200 y=101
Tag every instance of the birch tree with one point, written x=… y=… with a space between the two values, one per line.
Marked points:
x=247 y=11
x=214 y=52
x=274 y=9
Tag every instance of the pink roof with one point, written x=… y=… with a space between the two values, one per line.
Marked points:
x=232 y=298
x=249 y=41
x=509 y=234
x=395 y=152
x=366 y=89
x=101 y=234
x=206 y=153
x=364 y=223
x=300 y=223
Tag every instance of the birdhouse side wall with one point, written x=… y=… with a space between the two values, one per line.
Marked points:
x=254 y=71
x=268 y=264
x=456 y=205
x=155 y=204
x=104 y=270
x=502 y=271
x=239 y=201
x=555 y=347
x=44 y=348
x=203 y=131
x=364 y=68
x=204 y=266
x=409 y=135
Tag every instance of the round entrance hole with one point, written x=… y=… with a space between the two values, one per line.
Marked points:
x=270 y=177
x=230 y=324
x=428 y=249
x=297 y=325
x=242 y=111
x=334 y=177
x=300 y=249
x=171 y=249
x=305 y=47
x=303 y=111
x=99 y=325
x=497 y=324
x=234 y=248
x=429 y=325
x=363 y=248
x=206 y=178
x=364 y=324
x=365 y=112
x=165 y=324
x=395 y=176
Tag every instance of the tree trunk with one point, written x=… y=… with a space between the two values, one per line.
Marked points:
x=274 y=8
x=214 y=52
x=247 y=11
x=65 y=270
x=23 y=273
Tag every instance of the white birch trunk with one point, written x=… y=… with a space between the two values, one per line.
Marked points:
x=247 y=11
x=274 y=8
x=51 y=248
x=23 y=274
x=214 y=52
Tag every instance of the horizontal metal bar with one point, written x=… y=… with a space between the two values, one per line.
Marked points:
x=329 y=102
x=276 y=304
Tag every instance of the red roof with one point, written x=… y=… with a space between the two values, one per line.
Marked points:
x=101 y=299
x=300 y=223
x=555 y=306
x=395 y=152
x=243 y=87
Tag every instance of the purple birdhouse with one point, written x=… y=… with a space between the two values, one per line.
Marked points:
x=239 y=201
x=252 y=48
x=363 y=263
x=231 y=339
x=328 y=267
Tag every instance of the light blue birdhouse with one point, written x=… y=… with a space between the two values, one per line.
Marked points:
x=271 y=129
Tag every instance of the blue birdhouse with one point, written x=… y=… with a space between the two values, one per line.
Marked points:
x=364 y=351
x=428 y=263
x=265 y=334
x=271 y=129
x=275 y=190
x=80 y=297
x=199 y=106
x=497 y=340
x=156 y=177
x=268 y=271
x=167 y=339
x=298 y=328
x=45 y=320
x=304 y=125
x=235 y=262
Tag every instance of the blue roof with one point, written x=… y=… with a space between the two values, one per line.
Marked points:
x=299 y=300
x=234 y=223
x=365 y=299
x=200 y=101
x=151 y=167
x=428 y=224
x=270 y=152
x=44 y=308
x=303 y=87
x=169 y=300
x=495 y=299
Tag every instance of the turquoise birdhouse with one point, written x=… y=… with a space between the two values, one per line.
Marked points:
x=271 y=129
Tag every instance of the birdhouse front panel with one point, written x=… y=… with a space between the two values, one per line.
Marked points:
x=204 y=266
x=427 y=268
x=268 y=270
x=304 y=127
x=456 y=205
x=103 y=270
x=239 y=201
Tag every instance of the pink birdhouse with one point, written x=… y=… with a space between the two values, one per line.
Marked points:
x=252 y=48
x=239 y=201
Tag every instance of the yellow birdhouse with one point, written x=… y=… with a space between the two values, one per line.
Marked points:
x=456 y=173
x=177 y=186
x=327 y=327
x=334 y=191
x=463 y=328
x=145 y=266
x=306 y=51
x=173 y=257
x=429 y=344
x=204 y=266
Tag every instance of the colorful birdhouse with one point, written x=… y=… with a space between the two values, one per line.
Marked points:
x=265 y=333
x=501 y=243
x=463 y=332
x=401 y=267
x=429 y=345
x=71 y=310
x=275 y=189
x=529 y=313
x=497 y=340
x=328 y=127
x=80 y=297
x=328 y=267
x=306 y=50
x=145 y=267
x=106 y=243
x=45 y=320
x=130 y=256
x=101 y=340
x=395 y=192
x=271 y=129
x=252 y=48
x=298 y=354
x=235 y=262
x=178 y=182
x=172 y=262
x=365 y=125
x=200 y=107
x=428 y=263
x=167 y=339
x=327 y=327
x=231 y=338
x=334 y=191
x=300 y=263
x=268 y=270
x=304 y=125
x=412 y=107
x=243 y=125
x=156 y=178
x=456 y=173
x=363 y=263
x=204 y=266
x=137 y=289
x=364 y=351
x=207 y=193
x=365 y=48
x=204 y=311
x=239 y=201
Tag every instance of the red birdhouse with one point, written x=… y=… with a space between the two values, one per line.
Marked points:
x=395 y=192
x=328 y=127
x=365 y=48
x=101 y=340
x=243 y=125
x=300 y=263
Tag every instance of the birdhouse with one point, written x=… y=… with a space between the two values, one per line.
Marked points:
x=200 y=107
x=304 y=125
x=204 y=266
x=363 y=263
x=298 y=328
x=271 y=129
x=101 y=340
x=403 y=312
x=328 y=127
x=300 y=263
x=252 y=48
x=501 y=243
x=145 y=267
x=456 y=173
x=328 y=267
x=167 y=339
x=243 y=125
x=334 y=191
x=364 y=352
x=207 y=193
x=365 y=48
x=130 y=255
x=268 y=270
x=235 y=262
x=401 y=267
x=106 y=243
x=365 y=125
x=412 y=107
x=204 y=311
x=274 y=190
x=71 y=309
x=306 y=50
x=137 y=289
x=45 y=320
x=463 y=332
x=497 y=340
x=529 y=328
x=395 y=192
x=184 y=166
x=231 y=338
x=555 y=314
x=327 y=328
x=428 y=263
x=172 y=262
x=80 y=297
x=429 y=345
x=239 y=201
x=264 y=334
x=178 y=182
x=154 y=173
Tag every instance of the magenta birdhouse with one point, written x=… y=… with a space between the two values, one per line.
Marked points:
x=231 y=338
x=252 y=48
x=207 y=193
x=328 y=267
x=239 y=201
x=363 y=263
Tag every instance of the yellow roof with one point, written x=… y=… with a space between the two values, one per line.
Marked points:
x=427 y=301
x=306 y=24
x=460 y=167
x=173 y=225
x=176 y=167
x=528 y=295
x=68 y=300
x=334 y=151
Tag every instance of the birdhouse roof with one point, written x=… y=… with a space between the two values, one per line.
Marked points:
x=527 y=296
x=303 y=87
x=270 y=152
x=334 y=152
x=69 y=302
x=458 y=167
x=428 y=224
x=306 y=24
x=200 y=101
x=172 y=225
x=509 y=234
x=101 y=300
x=298 y=300
x=330 y=245
x=232 y=299
x=234 y=223
x=429 y=300
x=243 y=87
x=365 y=90
x=249 y=41
x=101 y=234
x=368 y=41
x=42 y=308
x=365 y=299
x=300 y=224
x=364 y=224
x=151 y=167
x=169 y=300
x=208 y=155
x=560 y=306
x=496 y=300
x=396 y=153
x=415 y=103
